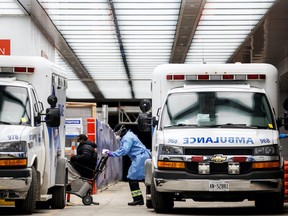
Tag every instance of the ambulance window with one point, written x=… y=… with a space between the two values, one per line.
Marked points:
x=246 y=108
x=217 y=109
x=14 y=105
x=35 y=106
x=180 y=109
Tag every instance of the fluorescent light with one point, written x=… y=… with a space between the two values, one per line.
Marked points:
x=146 y=5
x=241 y=5
x=137 y=11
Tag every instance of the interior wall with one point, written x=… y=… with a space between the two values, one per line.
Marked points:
x=25 y=37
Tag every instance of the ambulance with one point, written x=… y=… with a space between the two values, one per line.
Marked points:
x=215 y=135
x=33 y=167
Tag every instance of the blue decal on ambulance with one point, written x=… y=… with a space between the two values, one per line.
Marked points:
x=222 y=140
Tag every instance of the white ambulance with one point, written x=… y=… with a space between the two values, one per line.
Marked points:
x=215 y=135
x=33 y=169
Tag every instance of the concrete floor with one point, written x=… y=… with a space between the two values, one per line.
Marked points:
x=113 y=202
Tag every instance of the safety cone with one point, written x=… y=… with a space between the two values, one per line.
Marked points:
x=73 y=148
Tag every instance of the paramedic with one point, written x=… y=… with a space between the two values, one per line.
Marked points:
x=131 y=145
x=86 y=158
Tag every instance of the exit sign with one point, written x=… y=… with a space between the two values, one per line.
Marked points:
x=4 y=47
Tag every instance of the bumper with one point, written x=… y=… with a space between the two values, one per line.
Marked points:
x=260 y=181
x=203 y=185
x=15 y=183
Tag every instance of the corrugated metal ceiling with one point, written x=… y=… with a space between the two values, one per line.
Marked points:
x=110 y=48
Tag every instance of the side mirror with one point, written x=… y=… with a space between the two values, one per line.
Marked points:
x=53 y=114
x=145 y=105
x=285 y=104
x=144 y=118
x=279 y=121
x=52 y=117
x=285 y=121
x=144 y=122
x=52 y=100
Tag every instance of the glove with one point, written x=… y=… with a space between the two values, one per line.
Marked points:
x=109 y=153
x=106 y=151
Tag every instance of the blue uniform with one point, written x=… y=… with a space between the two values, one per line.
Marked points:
x=131 y=145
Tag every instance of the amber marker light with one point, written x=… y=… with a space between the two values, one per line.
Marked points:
x=13 y=162
x=170 y=164
x=266 y=165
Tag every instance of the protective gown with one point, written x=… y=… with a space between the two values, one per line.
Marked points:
x=131 y=145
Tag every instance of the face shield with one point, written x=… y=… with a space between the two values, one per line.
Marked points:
x=119 y=132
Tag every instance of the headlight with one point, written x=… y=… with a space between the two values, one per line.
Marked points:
x=266 y=150
x=13 y=147
x=170 y=150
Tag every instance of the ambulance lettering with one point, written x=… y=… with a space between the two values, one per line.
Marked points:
x=13 y=137
x=173 y=141
x=222 y=140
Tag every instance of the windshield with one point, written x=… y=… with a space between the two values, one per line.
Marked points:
x=217 y=109
x=14 y=105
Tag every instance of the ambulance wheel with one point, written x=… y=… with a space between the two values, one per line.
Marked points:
x=148 y=194
x=271 y=203
x=58 y=200
x=27 y=206
x=161 y=202
x=87 y=200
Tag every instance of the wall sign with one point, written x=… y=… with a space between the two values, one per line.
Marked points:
x=4 y=47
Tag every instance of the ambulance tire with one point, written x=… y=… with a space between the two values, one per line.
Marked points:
x=43 y=205
x=272 y=203
x=162 y=202
x=148 y=201
x=28 y=205
x=58 y=200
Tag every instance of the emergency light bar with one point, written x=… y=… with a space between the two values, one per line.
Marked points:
x=179 y=77
x=28 y=70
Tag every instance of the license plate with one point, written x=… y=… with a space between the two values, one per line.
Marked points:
x=218 y=186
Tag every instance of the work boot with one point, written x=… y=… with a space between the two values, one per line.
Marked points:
x=136 y=202
x=136 y=193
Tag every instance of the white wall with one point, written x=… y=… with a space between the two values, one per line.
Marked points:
x=25 y=37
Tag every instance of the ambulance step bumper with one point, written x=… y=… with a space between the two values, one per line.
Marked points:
x=224 y=185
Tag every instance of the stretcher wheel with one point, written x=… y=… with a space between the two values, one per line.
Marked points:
x=87 y=200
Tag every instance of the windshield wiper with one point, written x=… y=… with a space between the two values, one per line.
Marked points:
x=230 y=125
x=181 y=125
